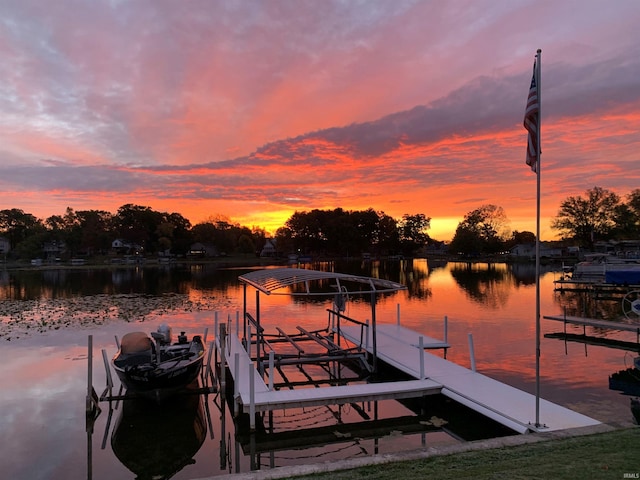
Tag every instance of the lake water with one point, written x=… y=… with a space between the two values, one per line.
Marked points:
x=46 y=317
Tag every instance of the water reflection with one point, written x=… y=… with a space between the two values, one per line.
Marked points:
x=485 y=284
x=157 y=441
x=47 y=314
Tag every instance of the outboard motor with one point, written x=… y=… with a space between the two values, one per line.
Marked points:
x=165 y=334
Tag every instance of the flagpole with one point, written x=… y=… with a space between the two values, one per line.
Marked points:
x=538 y=169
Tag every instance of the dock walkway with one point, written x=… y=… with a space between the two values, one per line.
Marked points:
x=253 y=395
x=503 y=403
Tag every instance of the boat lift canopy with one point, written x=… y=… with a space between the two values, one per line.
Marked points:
x=276 y=280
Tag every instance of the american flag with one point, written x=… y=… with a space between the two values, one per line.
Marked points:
x=531 y=116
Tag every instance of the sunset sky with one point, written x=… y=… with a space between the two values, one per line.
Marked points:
x=256 y=109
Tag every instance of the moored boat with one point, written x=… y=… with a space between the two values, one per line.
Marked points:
x=597 y=266
x=157 y=368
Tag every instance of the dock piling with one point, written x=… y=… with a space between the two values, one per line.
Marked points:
x=472 y=355
x=223 y=359
x=252 y=401
x=236 y=381
x=446 y=329
x=271 y=368
x=421 y=348
x=90 y=375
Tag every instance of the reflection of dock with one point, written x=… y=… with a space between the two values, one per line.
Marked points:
x=595 y=341
x=596 y=323
x=326 y=435
x=505 y=404
x=599 y=289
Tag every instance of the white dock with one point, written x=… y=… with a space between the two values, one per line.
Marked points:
x=507 y=405
x=253 y=395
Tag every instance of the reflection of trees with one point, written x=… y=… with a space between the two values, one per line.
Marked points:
x=525 y=273
x=400 y=271
x=66 y=283
x=488 y=285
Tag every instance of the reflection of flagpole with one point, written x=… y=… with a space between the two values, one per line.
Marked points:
x=532 y=123
x=537 y=74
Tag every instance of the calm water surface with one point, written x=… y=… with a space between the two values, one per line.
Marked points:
x=47 y=315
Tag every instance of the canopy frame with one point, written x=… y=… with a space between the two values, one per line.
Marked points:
x=277 y=281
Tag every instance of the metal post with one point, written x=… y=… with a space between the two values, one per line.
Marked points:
x=271 y=369
x=421 y=347
x=374 y=333
x=236 y=382
x=90 y=375
x=107 y=370
x=366 y=339
x=446 y=329
x=244 y=312
x=398 y=314
x=472 y=354
x=252 y=401
x=258 y=339
x=538 y=174
x=216 y=327
x=223 y=359
x=209 y=371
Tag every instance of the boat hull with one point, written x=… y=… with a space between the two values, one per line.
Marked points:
x=147 y=374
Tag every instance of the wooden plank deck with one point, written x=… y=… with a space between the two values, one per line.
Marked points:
x=594 y=322
x=509 y=406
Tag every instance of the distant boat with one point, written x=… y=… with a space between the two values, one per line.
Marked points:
x=596 y=266
x=158 y=368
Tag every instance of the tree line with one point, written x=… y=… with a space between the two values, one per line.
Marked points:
x=150 y=232
x=599 y=215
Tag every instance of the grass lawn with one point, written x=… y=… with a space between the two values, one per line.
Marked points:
x=614 y=455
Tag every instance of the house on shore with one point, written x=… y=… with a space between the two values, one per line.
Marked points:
x=269 y=249
x=528 y=251
x=203 y=250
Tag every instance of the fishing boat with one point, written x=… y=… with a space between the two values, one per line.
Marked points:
x=156 y=368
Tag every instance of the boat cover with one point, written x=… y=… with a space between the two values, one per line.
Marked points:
x=135 y=342
x=623 y=277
